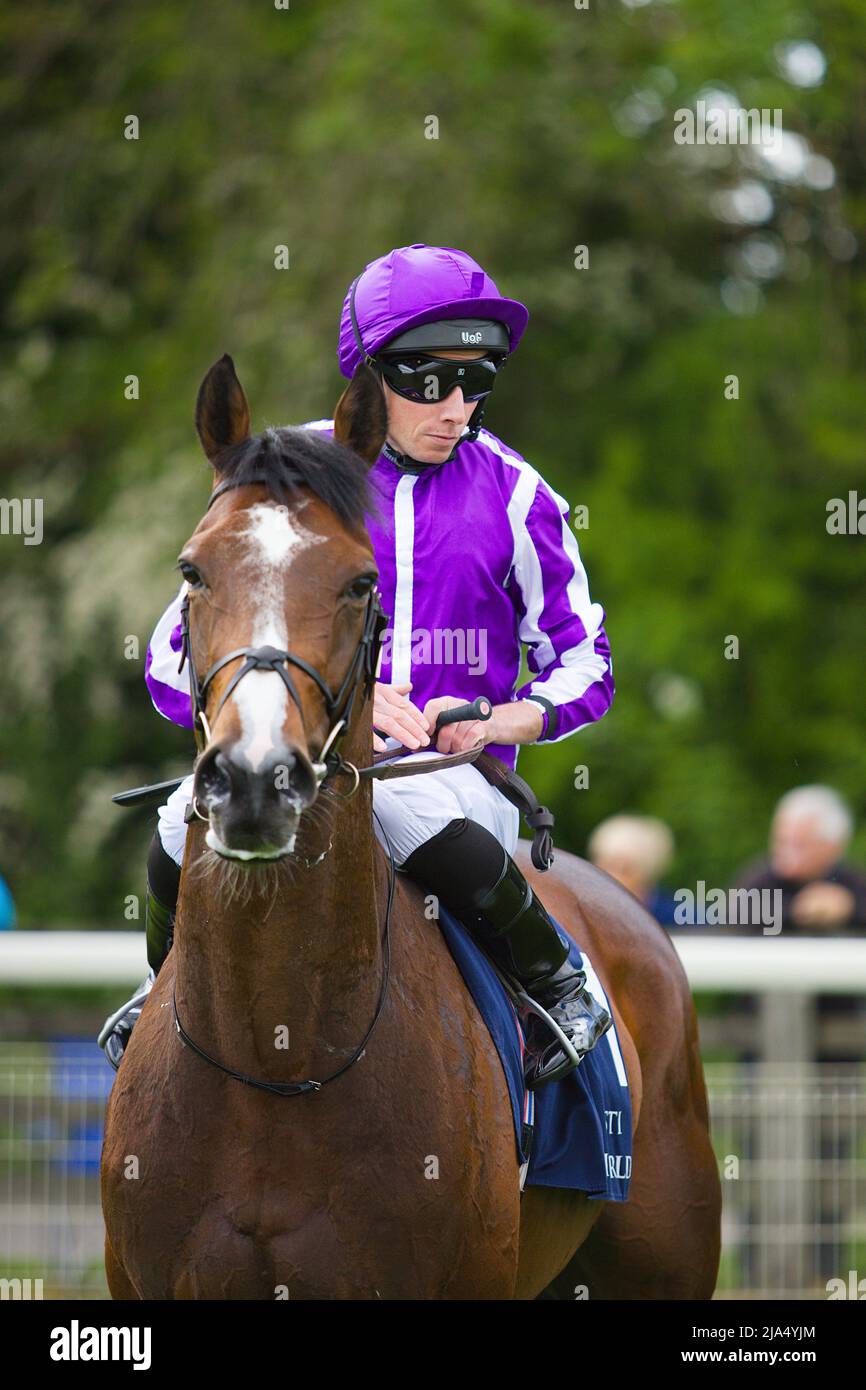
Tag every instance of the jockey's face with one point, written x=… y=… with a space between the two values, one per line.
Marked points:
x=428 y=430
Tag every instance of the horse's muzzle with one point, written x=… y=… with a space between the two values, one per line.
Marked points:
x=253 y=814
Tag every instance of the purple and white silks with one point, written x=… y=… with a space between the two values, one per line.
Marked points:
x=475 y=557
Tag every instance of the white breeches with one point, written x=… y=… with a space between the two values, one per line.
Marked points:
x=411 y=809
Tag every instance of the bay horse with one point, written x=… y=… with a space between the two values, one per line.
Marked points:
x=228 y=1172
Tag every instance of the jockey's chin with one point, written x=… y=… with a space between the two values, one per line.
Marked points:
x=427 y=433
x=430 y=445
x=436 y=448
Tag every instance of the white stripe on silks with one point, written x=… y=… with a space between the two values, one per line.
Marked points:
x=581 y=667
x=526 y=564
x=578 y=586
x=524 y=469
x=164 y=662
x=404 y=548
x=518 y=508
x=531 y=580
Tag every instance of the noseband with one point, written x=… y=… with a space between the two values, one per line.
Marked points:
x=339 y=706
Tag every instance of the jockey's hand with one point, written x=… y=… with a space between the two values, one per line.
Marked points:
x=454 y=738
x=396 y=716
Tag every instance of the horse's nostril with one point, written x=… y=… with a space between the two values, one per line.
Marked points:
x=283 y=771
x=214 y=778
x=293 y=777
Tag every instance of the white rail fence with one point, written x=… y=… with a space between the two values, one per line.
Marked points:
x=835 y=965
x=789 y=1134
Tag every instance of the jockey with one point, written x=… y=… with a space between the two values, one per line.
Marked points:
x=475 y=557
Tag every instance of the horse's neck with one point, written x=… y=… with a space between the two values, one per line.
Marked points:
x=284 y=985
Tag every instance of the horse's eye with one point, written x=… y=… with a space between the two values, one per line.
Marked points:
x=190 y=574
x=360 y=587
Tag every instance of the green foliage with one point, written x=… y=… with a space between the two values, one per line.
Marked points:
x=307 y=127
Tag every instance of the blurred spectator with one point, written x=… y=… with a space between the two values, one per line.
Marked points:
x=637 y=851
x=7 y=906
x=809 y=834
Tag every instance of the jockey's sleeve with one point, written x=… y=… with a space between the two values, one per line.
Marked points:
x=169 y=688
x=563 y=629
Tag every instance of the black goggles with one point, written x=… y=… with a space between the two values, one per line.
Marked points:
x=420 y=377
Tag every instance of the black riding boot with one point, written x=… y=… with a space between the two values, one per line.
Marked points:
x=163 y=885
x=474 y=877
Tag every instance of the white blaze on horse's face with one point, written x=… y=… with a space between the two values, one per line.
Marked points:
x=274 y=538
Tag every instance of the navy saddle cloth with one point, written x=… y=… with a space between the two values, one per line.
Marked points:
x=576 y=1132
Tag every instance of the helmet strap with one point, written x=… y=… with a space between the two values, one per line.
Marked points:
x=405 y=461
x=476 y=420
x=365 y=356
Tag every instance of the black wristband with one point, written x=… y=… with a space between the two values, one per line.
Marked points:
x=552 y=713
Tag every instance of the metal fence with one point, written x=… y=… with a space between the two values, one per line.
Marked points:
x=791 y=1144
x=52 y=1101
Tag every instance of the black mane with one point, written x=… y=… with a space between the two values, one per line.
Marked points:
x=287 y=459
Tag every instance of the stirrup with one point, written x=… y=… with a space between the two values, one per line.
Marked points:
x=539 y=1076
x=524 y=1002
x=598 y=1022
x=114 y=1021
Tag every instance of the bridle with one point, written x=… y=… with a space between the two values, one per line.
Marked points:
x=362 y=669
x=339 y=707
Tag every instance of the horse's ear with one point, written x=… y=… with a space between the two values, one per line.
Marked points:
x=361 y=416
x=222 y=416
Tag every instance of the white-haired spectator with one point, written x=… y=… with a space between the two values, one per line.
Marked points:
x=809 y=834
x=637 y=851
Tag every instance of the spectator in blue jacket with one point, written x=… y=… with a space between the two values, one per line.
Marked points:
x=7 y=906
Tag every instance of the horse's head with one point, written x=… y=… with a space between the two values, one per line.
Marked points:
x=280 y=563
